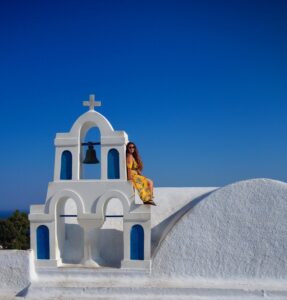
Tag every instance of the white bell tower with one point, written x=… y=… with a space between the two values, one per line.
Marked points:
x=68 y=228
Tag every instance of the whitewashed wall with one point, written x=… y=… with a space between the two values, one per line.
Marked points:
x=14 y=271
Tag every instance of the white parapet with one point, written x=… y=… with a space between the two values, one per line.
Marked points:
x=16 y=271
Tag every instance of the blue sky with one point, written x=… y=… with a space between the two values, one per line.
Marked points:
x=199 y=86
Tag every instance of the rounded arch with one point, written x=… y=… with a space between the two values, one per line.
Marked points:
x=65 y=194
x=91 y=119
x=104 y=199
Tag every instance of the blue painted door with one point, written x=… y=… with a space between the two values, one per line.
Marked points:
x=137 y=242
x=66 y=165
x=43 y=244
x=113 y=164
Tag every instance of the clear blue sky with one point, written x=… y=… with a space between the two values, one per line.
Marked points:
x=199 y=86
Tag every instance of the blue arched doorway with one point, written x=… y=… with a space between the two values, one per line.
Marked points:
x=66 y=165
x=113 y=164
x=43 y=244
x=137 y=242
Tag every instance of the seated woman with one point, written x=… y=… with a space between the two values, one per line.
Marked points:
x=142 y=184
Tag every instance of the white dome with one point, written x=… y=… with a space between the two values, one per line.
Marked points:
x=238 y=231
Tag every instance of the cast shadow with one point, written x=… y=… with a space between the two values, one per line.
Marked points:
x=73 y=250
x=160 y=231
x=110 y=247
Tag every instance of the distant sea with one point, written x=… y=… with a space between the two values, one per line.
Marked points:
x=6 y=214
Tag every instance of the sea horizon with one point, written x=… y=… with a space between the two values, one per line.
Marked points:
x=4 y=214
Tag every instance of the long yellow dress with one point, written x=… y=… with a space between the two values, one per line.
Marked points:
x=139 y=182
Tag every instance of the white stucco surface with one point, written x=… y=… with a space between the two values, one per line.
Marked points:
x=169 y=201
x=208 y=243
x=14 y=270
x=172 y=203
x=238 y=231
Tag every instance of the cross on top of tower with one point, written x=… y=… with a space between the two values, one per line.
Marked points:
x=92 y=103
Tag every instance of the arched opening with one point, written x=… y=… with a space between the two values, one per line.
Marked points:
x=109 y=238
x=43 y=243
x=113 y=164
x=91 y=171
x=137 y=242
x=66 y=165
x=70 y=234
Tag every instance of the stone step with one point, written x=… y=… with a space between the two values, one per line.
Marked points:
x=109 y=284
x=152 y=292
x=71 y=282
x=72 y=274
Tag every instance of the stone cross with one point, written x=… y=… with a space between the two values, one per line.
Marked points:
x=92 y=103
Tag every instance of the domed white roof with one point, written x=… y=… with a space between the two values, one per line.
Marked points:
x=238 y=231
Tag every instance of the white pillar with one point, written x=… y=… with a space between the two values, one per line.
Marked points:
x=147 y=239
x=53 y=240
x=104 y=162
x=127 y=240
x=33 y=237
x=57 y=165
x=76 y=162
x=87 y=259
x=122 y=162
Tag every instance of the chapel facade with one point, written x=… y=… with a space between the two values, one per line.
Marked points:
x=60 y=237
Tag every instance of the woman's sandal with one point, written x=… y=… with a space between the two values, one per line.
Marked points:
x=150 y=202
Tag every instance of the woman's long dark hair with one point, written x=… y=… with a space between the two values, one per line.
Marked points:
x=135 y=155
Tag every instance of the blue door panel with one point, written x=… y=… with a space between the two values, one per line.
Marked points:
x=66 y=165
x=137 y=242
x=113 y=164
x=43 y=245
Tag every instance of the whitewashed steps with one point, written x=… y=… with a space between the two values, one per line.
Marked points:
x=105 y=283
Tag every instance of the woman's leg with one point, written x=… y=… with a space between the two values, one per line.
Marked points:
x=150 y=184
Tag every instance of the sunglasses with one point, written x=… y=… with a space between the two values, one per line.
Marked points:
x=131 y=147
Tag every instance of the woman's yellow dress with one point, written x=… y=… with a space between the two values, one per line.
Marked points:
x=139 y=182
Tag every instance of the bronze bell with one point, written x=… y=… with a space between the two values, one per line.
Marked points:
x=91 y=156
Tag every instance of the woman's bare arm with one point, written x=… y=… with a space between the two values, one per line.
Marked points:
x=129 y=164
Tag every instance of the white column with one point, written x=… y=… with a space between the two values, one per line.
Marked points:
x=80 y=158
x=54 y=247
x=104 y=162
x=33 y=238
x=87 y=259
x=122 y=161
x=127 y=240
x=57 y=165
x=147 y=239
x=76 y=162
